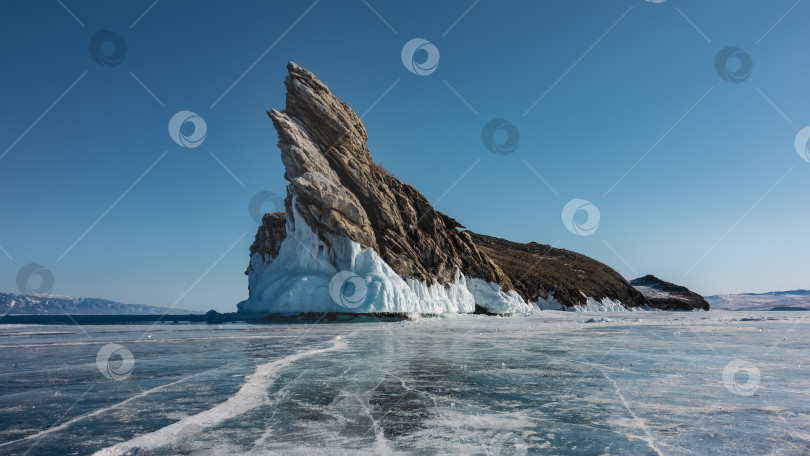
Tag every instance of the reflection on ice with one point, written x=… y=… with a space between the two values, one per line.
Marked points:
x=552 y=383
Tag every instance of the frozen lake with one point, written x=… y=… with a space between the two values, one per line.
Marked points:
x=553 y=383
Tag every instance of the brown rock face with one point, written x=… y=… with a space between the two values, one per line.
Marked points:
x=538 y=270
x=668 y=296
x=270 y=236
x=338 y=190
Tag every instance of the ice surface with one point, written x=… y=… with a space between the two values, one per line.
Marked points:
x=251 y=395
x=547 y=383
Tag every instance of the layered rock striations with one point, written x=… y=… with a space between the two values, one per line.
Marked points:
x=339 y=190
x=353 y=238
x=554 y=277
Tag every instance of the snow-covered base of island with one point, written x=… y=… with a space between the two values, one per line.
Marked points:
x=550 y=303
x=490 y=296
x=591 y=305
x=605 y=305
x=310 y=275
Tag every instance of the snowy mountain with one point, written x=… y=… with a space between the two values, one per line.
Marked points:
x=355 y=239
x=17 y=304
x=775 y=300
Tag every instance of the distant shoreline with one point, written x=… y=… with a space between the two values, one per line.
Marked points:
x=207 y=318
x=99 y=319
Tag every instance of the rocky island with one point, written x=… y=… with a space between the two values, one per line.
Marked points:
x=668 y=296
x=354 y=239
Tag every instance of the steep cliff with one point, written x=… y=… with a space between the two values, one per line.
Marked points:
x=355 y=238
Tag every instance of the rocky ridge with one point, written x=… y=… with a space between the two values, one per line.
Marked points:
x=339 y=191
x=339 y=196
x=668 y=296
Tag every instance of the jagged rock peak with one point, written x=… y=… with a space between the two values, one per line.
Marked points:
x=347 y=218
x=339 y=191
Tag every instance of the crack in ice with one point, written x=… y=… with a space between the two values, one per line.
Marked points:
x=252 y=394
x=280 y=394
x=436 y=406
x=650 y=440
x=102 y=410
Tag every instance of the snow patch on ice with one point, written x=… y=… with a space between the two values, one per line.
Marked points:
x=655 y=292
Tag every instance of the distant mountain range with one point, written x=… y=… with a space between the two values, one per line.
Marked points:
x=775 y=300
x=17 y=304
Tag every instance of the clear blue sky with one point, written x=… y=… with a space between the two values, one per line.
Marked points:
x=617 y=77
